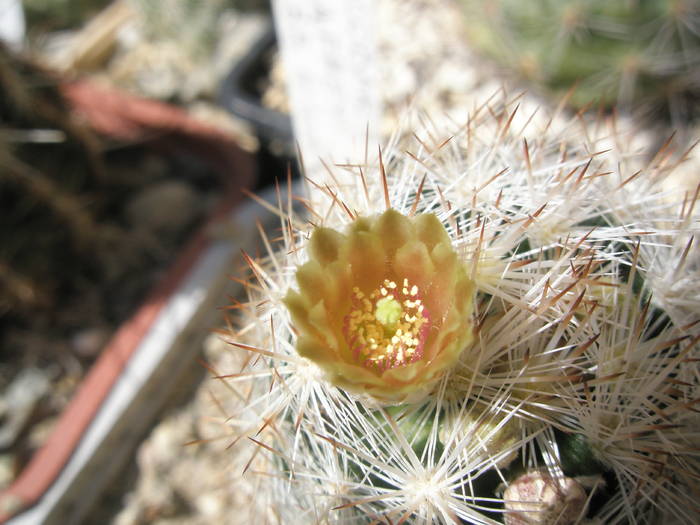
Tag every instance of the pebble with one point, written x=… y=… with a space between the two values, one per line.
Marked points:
x=39 y=433
x=164 y=208
x=7 y=470
x=88 y=342
x=21 y=399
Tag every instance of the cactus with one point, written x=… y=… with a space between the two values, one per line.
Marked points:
x=572 y=396
x=637 y=54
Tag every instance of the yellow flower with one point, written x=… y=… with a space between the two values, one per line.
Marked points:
x=384 y=309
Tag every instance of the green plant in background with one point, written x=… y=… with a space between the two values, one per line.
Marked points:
x=572 y=397
x=636 y=53
x=52 y=15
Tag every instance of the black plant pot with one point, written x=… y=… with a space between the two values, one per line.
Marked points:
x=240 y=95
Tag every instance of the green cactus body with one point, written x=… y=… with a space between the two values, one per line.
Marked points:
x=632 y=53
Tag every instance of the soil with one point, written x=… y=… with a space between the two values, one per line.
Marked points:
x=88 y=226
x=81 y=283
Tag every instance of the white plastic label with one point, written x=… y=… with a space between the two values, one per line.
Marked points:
x=329 y=54
x=12 y=23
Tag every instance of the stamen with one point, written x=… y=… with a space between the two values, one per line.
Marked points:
x=387 y=329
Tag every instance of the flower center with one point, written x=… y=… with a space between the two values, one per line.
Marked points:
x=388 y=328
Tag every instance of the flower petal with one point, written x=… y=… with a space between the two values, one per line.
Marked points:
x=311 y=348
x=324 y=330
x=337 y=286
x=464 y=294
x=324 y=245
x=394 y=230
x=403 y=374
x=367 y=260
x=330 y=283
x=412 y=261
x=354 y=377
x=430 y=230
x=440 y=296
x=298 y=308
x=312 y=284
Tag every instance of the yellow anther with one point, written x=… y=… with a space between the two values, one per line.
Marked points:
x=384 y=328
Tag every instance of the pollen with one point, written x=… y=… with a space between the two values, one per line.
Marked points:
x=388 y=328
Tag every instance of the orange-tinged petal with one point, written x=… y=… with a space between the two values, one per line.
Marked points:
x=444 y=257
x=440 y=295
x=412 y=261
x=451 y=328
x=337 y=285
x=367 y=260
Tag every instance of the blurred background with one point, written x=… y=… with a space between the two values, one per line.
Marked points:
x=131 y=132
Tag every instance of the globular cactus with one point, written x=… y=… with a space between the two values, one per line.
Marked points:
x=483 y=330
x=637 y=54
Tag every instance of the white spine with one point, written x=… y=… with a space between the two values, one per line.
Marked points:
x=329 y=52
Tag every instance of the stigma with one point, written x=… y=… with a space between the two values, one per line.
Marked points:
x=388 y=327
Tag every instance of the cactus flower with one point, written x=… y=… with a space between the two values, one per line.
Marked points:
x=385 y=308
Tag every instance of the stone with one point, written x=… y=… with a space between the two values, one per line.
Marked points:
x=21 y=399
x=164 y=208
x=88 y=342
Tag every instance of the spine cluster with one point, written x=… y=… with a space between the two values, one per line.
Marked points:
x=572 y=401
